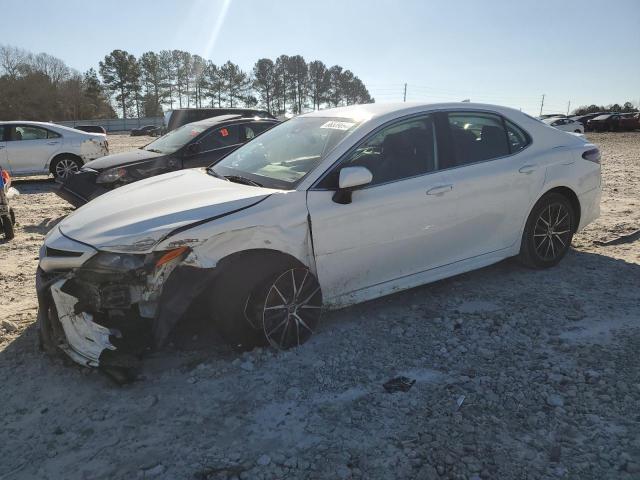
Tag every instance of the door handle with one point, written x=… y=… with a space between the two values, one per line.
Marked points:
x=440 y=190
x=53 y=143
x=527 y=169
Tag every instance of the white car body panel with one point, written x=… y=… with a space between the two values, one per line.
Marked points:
x=34 y=157
x=391 y=237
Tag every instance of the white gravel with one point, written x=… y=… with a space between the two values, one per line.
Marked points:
x=546 y=364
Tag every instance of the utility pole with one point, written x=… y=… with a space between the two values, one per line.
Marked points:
x=541 y=104
x=405 y=92
x=568 y=107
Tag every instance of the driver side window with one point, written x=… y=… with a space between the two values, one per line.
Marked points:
x=403 y=150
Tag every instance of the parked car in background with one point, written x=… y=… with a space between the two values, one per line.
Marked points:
x=91 y=129
x=629 y=121
x=326 y=210
x=584 y=119
x=150 y=130
x=176 y=118
x=603 y=123
x=39 y=148
x=551 y=115
x=565 y=124
x=197 y=144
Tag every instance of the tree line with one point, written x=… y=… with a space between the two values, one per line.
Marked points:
x=144 y=86
x=42 y=87
x=627 y=107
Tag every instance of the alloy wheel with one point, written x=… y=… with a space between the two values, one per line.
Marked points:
x=292 y=308
x=66 y=167
x=552 y=232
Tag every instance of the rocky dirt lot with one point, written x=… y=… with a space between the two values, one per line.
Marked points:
x=520 y=374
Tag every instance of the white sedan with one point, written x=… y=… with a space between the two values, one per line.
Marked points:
x=328 y=209
x=565 y=124
x=39 y=148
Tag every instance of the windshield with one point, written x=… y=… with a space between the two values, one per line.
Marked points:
x=175 y=139
x=282 y=156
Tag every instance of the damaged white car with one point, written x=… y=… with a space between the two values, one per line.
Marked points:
x=39 y=148
x=326 y=210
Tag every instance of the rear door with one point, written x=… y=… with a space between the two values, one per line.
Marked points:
x=213 y=146
x=30 y=147
x=494 y=176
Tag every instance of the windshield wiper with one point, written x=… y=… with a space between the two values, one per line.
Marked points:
x=212 y=172
x=243 y=180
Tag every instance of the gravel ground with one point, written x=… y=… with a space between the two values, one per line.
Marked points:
x=520 y=374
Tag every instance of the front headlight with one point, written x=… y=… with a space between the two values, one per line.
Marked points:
x=138 y=171
x=115 y=262
x=112 y=175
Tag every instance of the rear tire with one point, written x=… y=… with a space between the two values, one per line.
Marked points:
x=64 y=166
x=548 y=232
x=7 y=227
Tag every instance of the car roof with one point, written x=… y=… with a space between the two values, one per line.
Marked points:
x=208 y=122
x=371 y=111
x=50 y=125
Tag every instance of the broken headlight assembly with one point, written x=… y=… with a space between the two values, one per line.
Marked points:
x=115 y=262
x=137 y=171
x=111 y=262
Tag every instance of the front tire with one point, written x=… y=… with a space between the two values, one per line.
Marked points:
x=548 y=232
x=65 y=166
x=249 y=311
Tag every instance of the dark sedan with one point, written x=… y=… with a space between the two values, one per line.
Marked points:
x=603 y=123
x=151 y=130
x=197 y=144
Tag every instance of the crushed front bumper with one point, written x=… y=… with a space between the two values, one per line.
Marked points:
x=107 y=318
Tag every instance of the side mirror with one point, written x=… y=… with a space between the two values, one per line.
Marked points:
x=351 y=178
x=194 y=148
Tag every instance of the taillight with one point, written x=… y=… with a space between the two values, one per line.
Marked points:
x=592 y=155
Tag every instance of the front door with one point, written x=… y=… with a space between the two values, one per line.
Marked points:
x=398 y=225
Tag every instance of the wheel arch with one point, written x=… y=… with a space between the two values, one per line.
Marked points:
x=570 y=195
x=58 y=156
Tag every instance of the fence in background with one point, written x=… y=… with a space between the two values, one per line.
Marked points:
x=116 y=124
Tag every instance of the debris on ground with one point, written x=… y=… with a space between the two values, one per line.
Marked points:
x=398 y=384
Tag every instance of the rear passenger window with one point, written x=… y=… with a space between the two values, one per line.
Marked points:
x=221 y=137
x=51 y=134
x=518 y=140
x=477 y=137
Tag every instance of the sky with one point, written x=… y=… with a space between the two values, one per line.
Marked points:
x=507 y=52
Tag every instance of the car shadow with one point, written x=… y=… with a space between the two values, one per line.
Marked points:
x=33 y=185
x=590 y=282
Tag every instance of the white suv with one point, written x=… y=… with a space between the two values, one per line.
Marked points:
x=39 y=148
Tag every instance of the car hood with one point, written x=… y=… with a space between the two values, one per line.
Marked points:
x=120 y=159
x=136 y=217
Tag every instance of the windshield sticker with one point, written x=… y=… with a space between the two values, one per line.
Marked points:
x=224 y=132
x=338 y=125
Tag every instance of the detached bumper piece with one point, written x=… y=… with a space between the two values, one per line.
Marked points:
x=80 y=188
x=94 y=325
x=85 y=339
